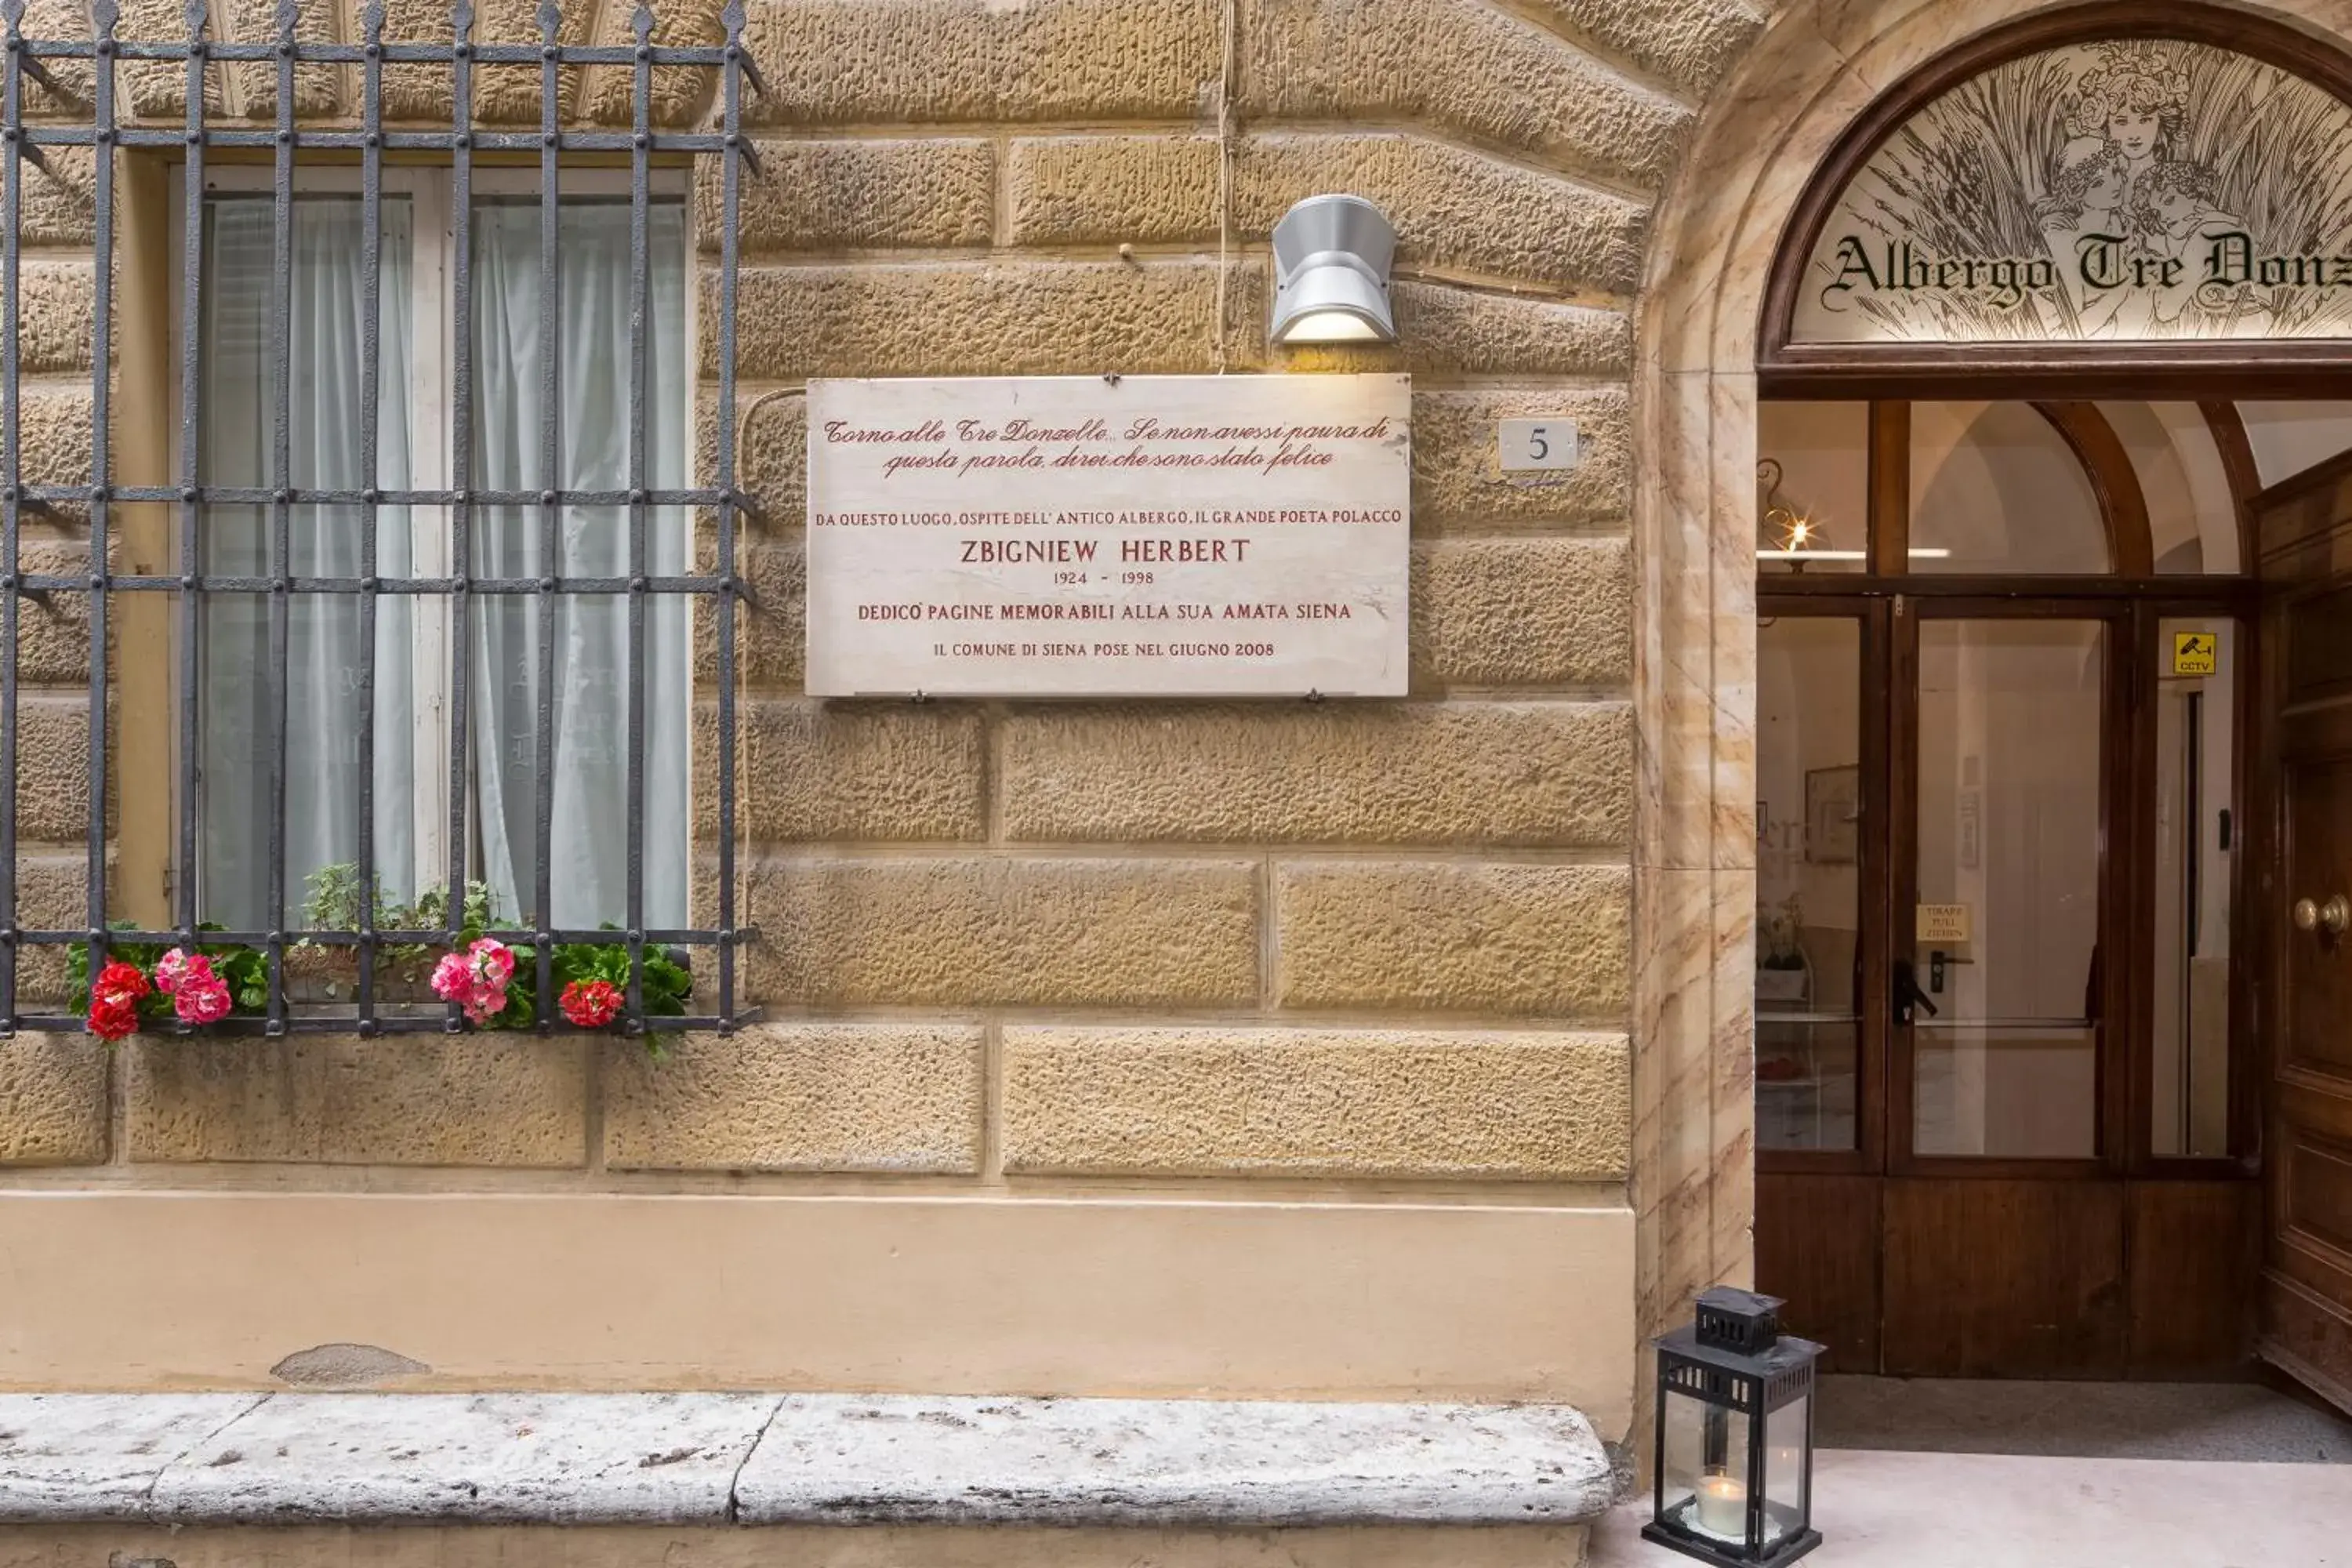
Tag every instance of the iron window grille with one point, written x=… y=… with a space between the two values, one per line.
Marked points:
x=716 y=592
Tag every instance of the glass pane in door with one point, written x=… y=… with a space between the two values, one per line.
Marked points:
x=1994 y=487
x=2005 y=959
x=1809 y=832
x=2196 y=829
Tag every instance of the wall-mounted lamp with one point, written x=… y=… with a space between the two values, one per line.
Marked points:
x=1331 y=257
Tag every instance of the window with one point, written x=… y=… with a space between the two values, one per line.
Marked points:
x=438 y=553
x=409 y=675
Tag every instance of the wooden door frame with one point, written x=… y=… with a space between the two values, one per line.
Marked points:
x=2118 y=980
x=2193 y=1207
x=2132 y=603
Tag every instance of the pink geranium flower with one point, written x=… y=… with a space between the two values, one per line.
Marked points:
x=476 y=979
x=199 y=996
x=173 y=968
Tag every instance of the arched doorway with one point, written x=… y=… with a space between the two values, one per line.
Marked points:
x=2021 y=639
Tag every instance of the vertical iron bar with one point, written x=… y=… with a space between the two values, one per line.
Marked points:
x=551 y=482
x=192 y=250
x=641 y=107
x=12 y=193
x=730 y=168
x=281 y=509
x=461 y=448
x=370 y=473
x=102 y=355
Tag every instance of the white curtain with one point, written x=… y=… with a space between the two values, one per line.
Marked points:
x=590 y=710
x=324 y=664
x=589 y=881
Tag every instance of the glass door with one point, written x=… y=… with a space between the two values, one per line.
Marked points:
x=2001 y=976
x=1819 y=1008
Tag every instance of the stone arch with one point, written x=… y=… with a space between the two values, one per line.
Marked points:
x=1816 y=68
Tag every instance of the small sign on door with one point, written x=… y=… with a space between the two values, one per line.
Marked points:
x=2195 y=653
x=1941 y=922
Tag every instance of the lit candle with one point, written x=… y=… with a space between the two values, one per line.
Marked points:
x=1723 y=1506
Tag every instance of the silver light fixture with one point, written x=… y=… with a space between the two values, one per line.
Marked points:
x=1331 y=257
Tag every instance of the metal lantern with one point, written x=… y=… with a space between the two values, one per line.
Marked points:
x=1734 y=1462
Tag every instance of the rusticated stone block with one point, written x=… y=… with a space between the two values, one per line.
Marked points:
x=1110 y=190
x=1690 y=42
x=1460 y=65
x=799 y=1097
x=503 y=94
x=1210 y=1102
x=771 y=460
x=1534 y=773
x=407 y=1100
x=55 y=303
x=1513 y=612
x=1009 y=317
x=58 y=19
x=868 y=62
x=1531 y=940
x=1457 y=472
x=849 y=195
x=59 y=202
x=770 y=636
x=158 y=89
x=973 y=932
x=52 y=1101
x=52 y=894
x=678 y=93
x=1452 y=208
x=53 y=428
x=812 y=770
x=318 y=89
x=53 y=631
x=53 y=770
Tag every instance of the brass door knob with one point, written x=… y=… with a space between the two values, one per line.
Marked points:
x=2332 y=917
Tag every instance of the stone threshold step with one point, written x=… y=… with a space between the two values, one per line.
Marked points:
x=770 y=1459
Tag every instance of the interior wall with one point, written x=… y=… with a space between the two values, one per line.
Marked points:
x=2288 y=437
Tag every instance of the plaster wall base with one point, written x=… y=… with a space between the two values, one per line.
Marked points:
x=1170 y=1299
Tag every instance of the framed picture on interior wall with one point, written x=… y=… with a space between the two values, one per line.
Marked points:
x=1833 y=814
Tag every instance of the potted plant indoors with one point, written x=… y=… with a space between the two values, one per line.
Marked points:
x=1782 y=973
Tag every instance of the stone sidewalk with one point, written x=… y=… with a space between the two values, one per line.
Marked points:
x=1887 y=1509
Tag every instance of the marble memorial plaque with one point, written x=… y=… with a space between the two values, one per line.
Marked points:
x=1085 y=536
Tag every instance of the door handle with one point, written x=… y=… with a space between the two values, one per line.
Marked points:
x=2332 y=917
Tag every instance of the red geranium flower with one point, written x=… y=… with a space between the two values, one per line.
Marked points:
x=591 y=1004
x=114 y=999
x=111 y=1020
x=119 y=982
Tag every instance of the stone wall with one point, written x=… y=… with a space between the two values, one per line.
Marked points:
x=1022 y=949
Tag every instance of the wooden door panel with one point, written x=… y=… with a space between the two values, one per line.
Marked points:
x=2193 y=1250
x=2319 y=643
x=2306 y=1335
x=2004 y=1279
x=1817 y=1249
x=2306 y=1318
x=2315 y=1193
x=2315 y=1004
